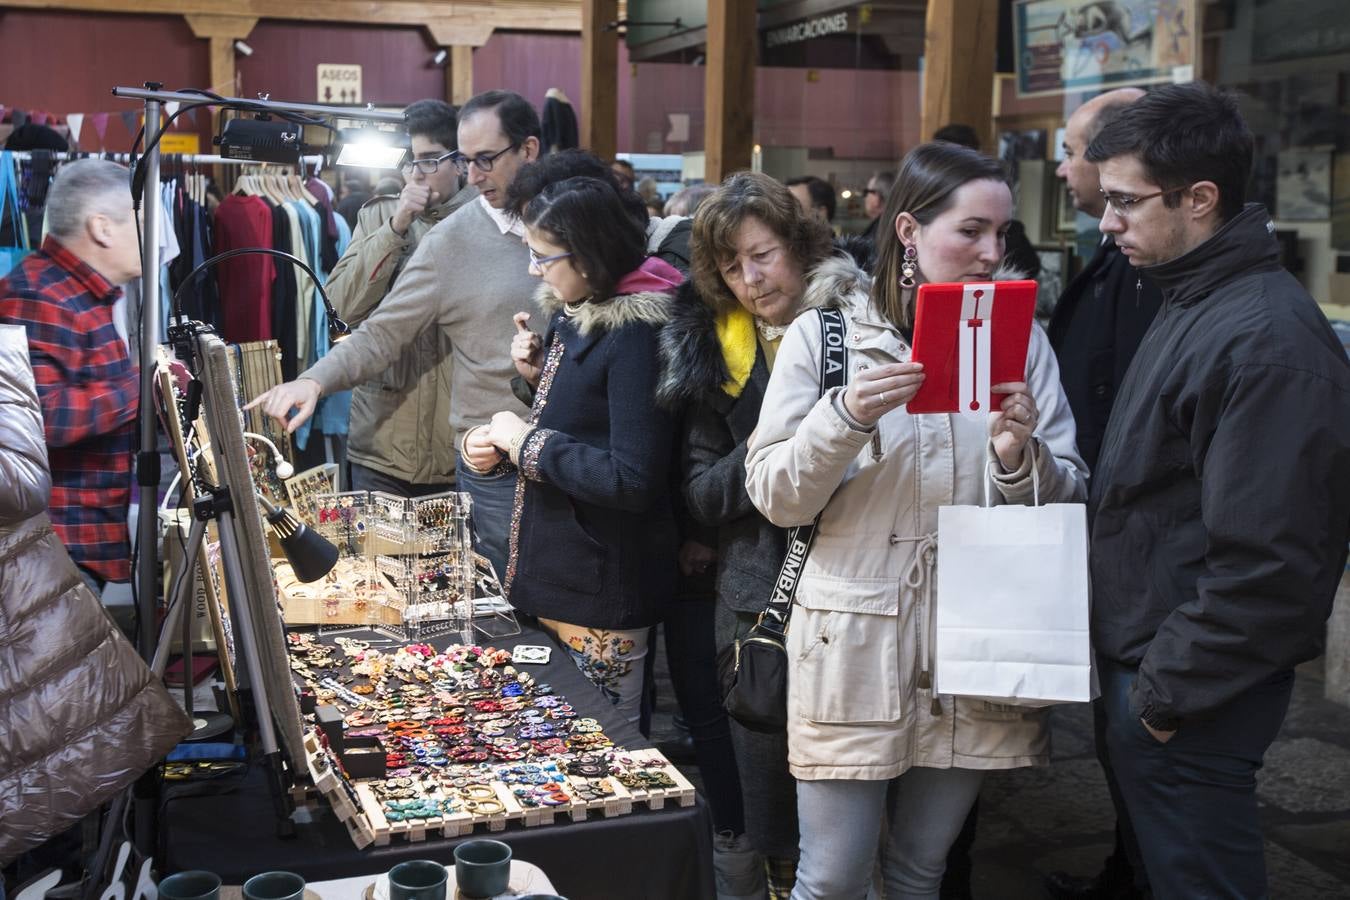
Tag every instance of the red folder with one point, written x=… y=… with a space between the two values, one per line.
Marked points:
x=942 y=334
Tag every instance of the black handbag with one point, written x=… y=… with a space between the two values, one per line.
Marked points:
x=753 y=671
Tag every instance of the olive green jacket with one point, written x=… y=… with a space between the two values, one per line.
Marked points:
x=400 y=420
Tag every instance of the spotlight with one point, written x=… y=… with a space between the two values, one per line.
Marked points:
x=370 y=148
x=439 y=58
x=242 y=49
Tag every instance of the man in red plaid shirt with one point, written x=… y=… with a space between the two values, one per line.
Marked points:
x=63 y=295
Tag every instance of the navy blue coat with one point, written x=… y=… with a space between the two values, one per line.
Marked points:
x=594 y=536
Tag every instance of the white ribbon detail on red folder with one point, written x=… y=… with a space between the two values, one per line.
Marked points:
x=973 y=354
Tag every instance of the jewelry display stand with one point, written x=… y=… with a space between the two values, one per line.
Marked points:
x=406 y=568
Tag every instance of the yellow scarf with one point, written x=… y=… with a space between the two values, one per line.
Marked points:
x=736 y=335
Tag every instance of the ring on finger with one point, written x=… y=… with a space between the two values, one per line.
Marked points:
x=882 y=395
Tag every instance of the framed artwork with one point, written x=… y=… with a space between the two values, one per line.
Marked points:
x=1084 y=45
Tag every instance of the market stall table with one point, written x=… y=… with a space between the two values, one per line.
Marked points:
x=645 y=855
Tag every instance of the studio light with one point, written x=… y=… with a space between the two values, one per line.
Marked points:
x=260 y=140
x=370 y=148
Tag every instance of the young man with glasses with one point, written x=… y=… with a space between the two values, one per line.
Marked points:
x=468 y=276
x=400 y=440
x=1220 y=506
x=1095 y=331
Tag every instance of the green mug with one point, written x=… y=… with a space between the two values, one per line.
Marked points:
x=482 y=868
x=417 y=879
x=195 y=885
x=275 y=886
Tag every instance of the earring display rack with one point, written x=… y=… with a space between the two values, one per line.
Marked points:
x=406 y=568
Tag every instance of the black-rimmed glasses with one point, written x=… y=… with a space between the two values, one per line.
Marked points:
x=483 y=161
x=427 y=166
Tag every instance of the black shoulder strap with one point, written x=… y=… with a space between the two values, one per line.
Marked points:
x=833 y=374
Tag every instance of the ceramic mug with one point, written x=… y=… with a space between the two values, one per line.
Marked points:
x=195 y=885
x=482 y=868
x=418 y=879
x=275 y=886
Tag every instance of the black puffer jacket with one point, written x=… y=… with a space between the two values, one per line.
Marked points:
x=1220 y=508
x=81 y=717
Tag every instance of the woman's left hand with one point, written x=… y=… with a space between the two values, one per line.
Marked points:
x=505 y=428
x=1012 y=427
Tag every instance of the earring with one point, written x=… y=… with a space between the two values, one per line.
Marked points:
x=909 y=267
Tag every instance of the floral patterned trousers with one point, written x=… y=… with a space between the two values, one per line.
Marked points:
x=611 y=659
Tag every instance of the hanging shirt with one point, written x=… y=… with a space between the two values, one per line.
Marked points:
x=245 y=282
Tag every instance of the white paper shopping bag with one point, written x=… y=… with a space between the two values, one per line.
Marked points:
x=1012 y=604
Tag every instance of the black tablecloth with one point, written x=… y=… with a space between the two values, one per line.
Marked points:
x=647 y=855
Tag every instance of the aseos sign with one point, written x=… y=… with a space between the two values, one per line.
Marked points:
x=805 y=31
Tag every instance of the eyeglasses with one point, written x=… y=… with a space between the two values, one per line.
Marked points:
x=867 y=191
x=426 y=166
x=1121 y=204
x=483 y=161
x=538 y=263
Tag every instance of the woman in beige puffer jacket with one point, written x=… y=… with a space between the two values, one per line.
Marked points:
x=81 y=717
x=862 y=718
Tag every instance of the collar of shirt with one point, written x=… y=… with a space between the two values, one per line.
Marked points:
x=81 y=271
x=505 y=222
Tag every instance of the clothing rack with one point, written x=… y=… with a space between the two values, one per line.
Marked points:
x=200 y=159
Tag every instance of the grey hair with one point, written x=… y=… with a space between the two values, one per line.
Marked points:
x=87 y=187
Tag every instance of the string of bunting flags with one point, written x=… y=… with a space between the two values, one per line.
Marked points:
x=97 y=122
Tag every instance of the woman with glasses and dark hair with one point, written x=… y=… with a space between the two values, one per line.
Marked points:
x=868 y=739
x=593 y=537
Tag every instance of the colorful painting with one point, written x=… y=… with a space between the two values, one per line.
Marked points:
x=1088 y=45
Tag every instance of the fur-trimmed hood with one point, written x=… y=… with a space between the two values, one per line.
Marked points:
x=643 y=295
x=651 y=307
x=693 y=364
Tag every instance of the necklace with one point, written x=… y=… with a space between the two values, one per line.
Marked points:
x=770 y=332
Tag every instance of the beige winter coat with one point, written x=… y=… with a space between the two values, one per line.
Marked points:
x=400 y=419
x=860 y=634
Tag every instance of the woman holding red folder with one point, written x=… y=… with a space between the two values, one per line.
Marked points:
x=867 y=738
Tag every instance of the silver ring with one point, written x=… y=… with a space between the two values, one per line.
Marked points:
x=882 y=395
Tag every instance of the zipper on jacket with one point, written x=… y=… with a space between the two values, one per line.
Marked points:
x=1138 y=291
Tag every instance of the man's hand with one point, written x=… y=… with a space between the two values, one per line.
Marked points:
x=1161 y=737
x=527 y=350
x=412 y=201
x=301 y=395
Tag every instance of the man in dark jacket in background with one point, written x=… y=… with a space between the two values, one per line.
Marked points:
x=1220 y=506
x=1095 y=330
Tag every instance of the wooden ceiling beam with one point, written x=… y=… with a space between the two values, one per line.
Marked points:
x=471 y=16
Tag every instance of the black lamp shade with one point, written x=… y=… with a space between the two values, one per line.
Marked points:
x=310 y=554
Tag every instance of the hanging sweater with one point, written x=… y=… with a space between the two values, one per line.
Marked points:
x=468 y=277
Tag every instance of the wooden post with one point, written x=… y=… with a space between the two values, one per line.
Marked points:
x=599 y=78
x=729 y=99
x=222 y=32
x=960 y=43
x=459 y=75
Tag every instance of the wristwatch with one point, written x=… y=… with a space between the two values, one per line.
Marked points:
x=1159 y=721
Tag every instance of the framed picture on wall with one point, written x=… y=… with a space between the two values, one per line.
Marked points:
x=1066 y=216
x=1080 y=45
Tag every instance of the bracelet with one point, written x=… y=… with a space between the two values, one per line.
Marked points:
x=516 y=443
